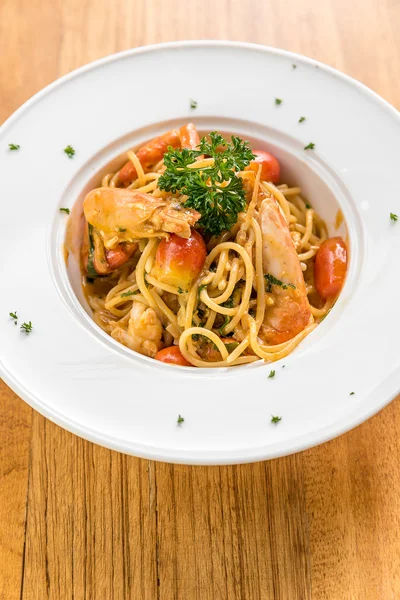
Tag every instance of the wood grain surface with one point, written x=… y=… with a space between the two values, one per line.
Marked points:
x=81 y=522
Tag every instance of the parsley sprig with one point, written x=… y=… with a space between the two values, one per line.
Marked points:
x=275 y=419
x=271 y=280
x=26 y=327
x=69 y=151
x=214 y=191
x=14 y=146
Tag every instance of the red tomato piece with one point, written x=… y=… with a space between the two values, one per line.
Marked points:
x=271 y=169
x=330 y=267
x=179 y=260
x=173 y=356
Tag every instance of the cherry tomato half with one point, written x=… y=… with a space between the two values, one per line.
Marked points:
x=179 y=260
x=173 y=356
x=330 y=267
x=271 y=169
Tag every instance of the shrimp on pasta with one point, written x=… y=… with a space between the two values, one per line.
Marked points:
x=195 y=253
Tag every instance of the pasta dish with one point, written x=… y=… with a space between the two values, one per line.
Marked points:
x=195 y=253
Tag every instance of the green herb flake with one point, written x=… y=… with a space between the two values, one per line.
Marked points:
x=271 y=375
x=231 y=346
x=224 y=324
x=294 y=66
x=302 y=119
x=278 y=101
x=121 y=229
x=202 y=287
x=181 y=291
x=275 y=420
x=193 y=104
x=130 y=293
x=69 y=151
x=14 y=146
x=214 y=191
x=26 y=327
x=310 y=146
x=180 y=420
x=352 y=393
x=271 y=280
x=308 y=205
x=393 y=217
x=14 y=316
x=66 y=210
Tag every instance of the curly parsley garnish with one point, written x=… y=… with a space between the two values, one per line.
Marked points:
x=271 y=280
x=180 y=420
x=69 y=151
x=14 y=146
x=271 y=375
x=26 y=327
x=193 y=104
x=302 y=119
x=393 y=217
x=14 y=316
x=214 y=191
x=310 y=146
x=66 y=210
x=275 y=419
x=278 y=101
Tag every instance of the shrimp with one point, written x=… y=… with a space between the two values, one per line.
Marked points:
x=126 y=215
x=189 y=136
x=150 y=154
x=144 y=331
x=290 y=312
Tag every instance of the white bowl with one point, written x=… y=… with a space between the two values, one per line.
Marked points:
x=76 y=375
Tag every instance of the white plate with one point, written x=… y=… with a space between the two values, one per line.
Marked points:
x=75 y=375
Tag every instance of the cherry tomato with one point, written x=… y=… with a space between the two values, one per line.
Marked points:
x=330 y=267
x=271 y=170
x=173 y=356
x=179 y=260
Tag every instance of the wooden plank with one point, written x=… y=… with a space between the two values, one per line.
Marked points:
x=15 y=433
x=91 y=521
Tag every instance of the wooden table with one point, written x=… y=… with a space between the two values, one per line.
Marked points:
x=80 y=522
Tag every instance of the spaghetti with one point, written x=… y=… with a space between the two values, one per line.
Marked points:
x=254 y=296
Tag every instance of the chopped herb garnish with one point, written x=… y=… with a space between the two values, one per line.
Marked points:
x=271 y=375
x=393 y=217
x=294 y=66
x=308 y=205
x=14 y=146
x=302 y=119
x=121 y=229
x=271 y=280
x=230 y=346
x=278 y=101
x=66 y=210
x=275 y=419
x=283 y=366
x=130 y=293
x=69 y=151
x=224 y=324
x=26 y=327
x=181 y=291
x=193 y=104
x=14 y=316
x=352 y=393
x=180 y=420
x=201 y=288
x=310 y=146
x=215 y=191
